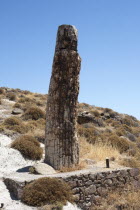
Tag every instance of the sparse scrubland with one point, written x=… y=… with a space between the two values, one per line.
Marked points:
x=127 y=199
x=102 y=133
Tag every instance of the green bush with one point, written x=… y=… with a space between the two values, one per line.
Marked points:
x=46 y=191
x=34 y=113
x=28 y=146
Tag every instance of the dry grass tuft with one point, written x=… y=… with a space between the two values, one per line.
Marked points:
x=46 y=191
x=80 y=166
x=98 y=151
x=120 y=199
x=121 y=144
x=130 y=162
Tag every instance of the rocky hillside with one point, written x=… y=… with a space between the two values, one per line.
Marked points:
x=102 y=132
x=23 y=112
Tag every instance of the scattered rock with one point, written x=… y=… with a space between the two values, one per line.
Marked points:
x=17 y=111
x=42 y=168
x=130 y=136
x=86 y=117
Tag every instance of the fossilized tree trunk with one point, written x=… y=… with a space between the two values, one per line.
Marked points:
x=61 y=147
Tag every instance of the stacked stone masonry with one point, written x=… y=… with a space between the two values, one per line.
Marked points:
x=88 y=188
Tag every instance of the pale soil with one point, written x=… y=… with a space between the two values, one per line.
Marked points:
x=10 y=161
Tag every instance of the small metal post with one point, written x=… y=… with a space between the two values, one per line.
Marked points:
x=107 y=163
x=2 y=205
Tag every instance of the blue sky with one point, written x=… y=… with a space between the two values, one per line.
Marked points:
x=109 y=45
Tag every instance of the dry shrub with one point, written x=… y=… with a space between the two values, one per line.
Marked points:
x=127 y=199
x=17 y=105
x=12 y=121
x=31 y=125
x=130 y=121
x=121 y=144
x=115 y=124
x=135 y=131
x=127 y=128
x=15 y=124
x=41 y=123
x=109 y=121
x=26 y=92
x=24 y=100
x=58 y=206
x=39 y=103
x=120 y=131
x=34 y=113
x=11 y=96
x=130 y=162
x=28 y=146
x=46 y=191
x=98 y=151
x=39 y=134
x=108 y=110
x=91 y=134
x=95 y=113
x=2 y=91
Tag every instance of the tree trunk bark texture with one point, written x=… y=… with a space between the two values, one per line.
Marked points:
x=61 y=144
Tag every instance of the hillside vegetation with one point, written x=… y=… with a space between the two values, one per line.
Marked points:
x=102 y=132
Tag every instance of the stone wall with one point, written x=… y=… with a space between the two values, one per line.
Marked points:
x=88 y=188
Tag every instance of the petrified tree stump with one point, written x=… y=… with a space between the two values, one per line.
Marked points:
x=61 y=147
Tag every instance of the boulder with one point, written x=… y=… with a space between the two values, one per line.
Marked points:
x=86 y=117
x=130 y=136
x=17 y=111
x=42 y=168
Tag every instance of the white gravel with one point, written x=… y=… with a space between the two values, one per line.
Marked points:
x=10 y=161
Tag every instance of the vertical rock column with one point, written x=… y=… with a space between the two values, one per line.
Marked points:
x=61 y=146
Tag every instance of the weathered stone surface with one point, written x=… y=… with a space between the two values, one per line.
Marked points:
x=86 y=117
x=134 y=172
x=42 y=168
x=86 y=195
x=90 y=190
x=61 y=147
x=17 y=111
